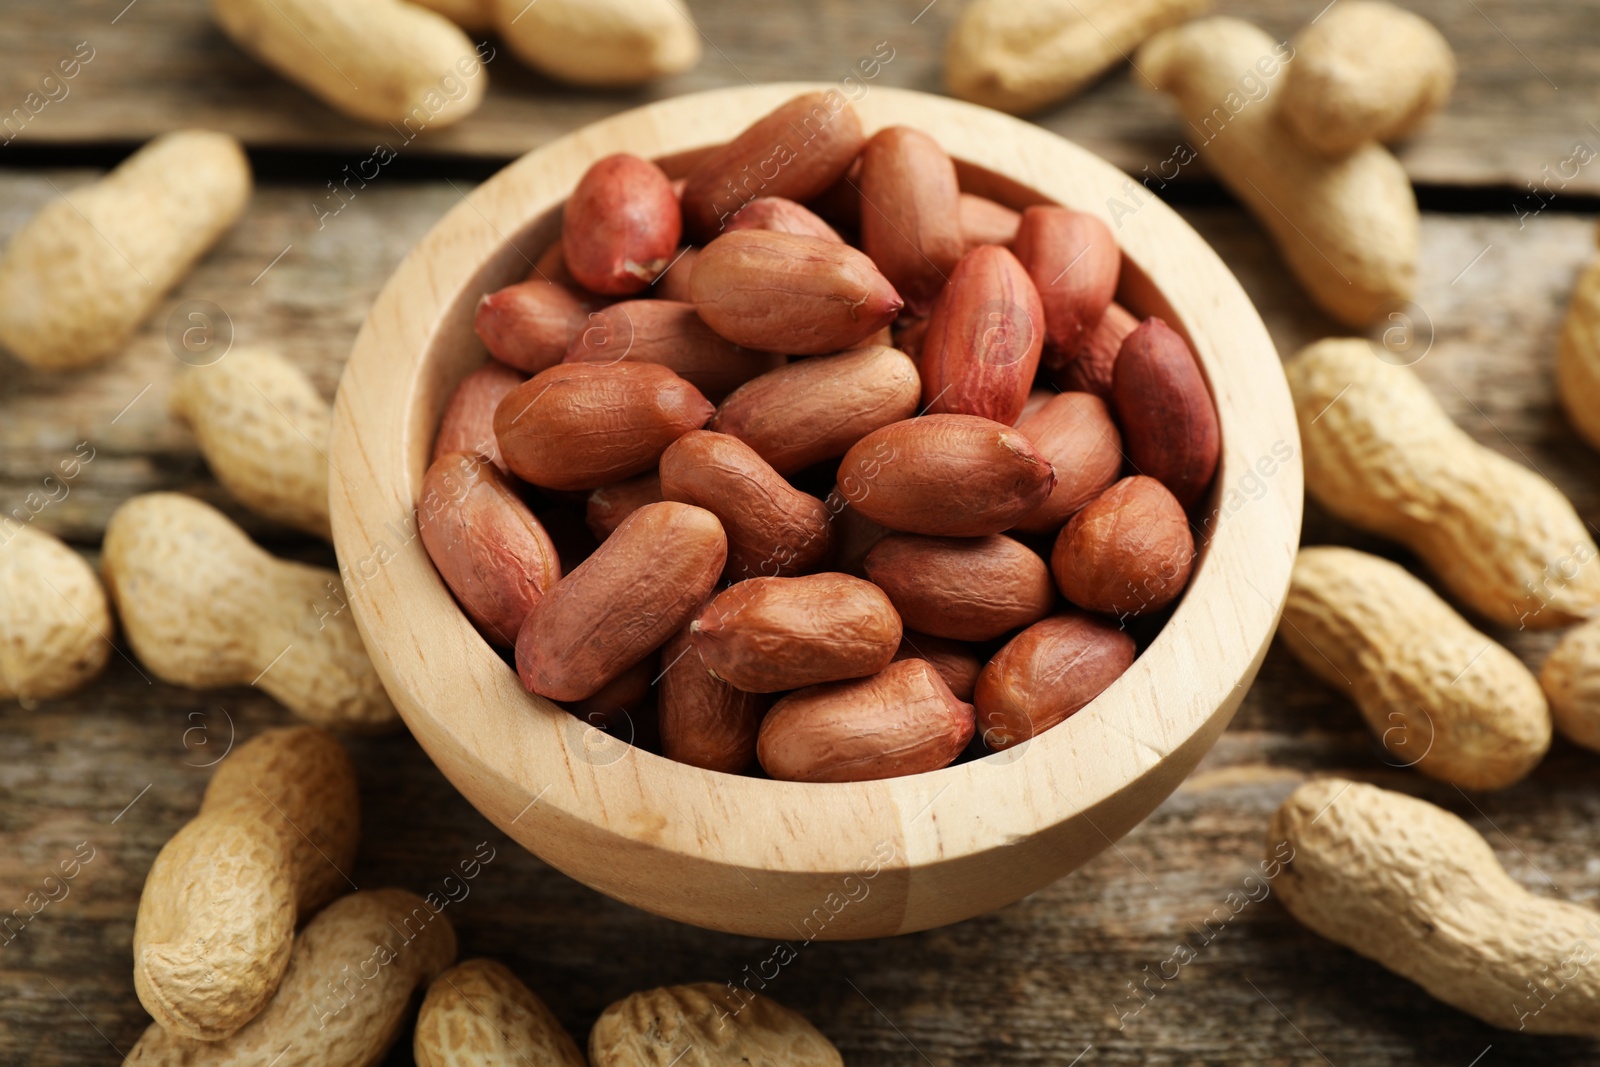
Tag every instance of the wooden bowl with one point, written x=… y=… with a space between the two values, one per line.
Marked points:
x=793 y=860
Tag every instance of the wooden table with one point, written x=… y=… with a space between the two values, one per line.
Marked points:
x=121 y=765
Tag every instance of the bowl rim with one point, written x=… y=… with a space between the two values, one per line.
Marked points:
x=676 y=839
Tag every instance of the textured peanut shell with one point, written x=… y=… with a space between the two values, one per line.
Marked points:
x=902 y=720
x=1365 y=71
x=215 y=923
x=1020 y=56
x=773 y=528
x=600 y=42
x=705 y=721
x=83 y=273
x=468 y=421
x=380 y=61
x=274 y=838
x=945 y=475
x=1348 y=228
x=966 y=589
x=1578 y=357
x=985 y=335
x=344 y=998
x=910 y=213
x=474 y=16
x=305 y=775
x=55 y=624
x=1571 y=681
x=784 y=292
x=1416 y=889
x=204 y=607
x=1438 y=694
x=813 y=138
x=706 y=1025
x=623 y=602
x=815 y=409
x=477 y=1014
x=765 y=635
x=1383 y=456
x=263 y=428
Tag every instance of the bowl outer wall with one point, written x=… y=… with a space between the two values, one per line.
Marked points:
x=789 y=860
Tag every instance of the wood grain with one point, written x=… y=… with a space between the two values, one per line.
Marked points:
x=1036 y=983
x=1525 y=94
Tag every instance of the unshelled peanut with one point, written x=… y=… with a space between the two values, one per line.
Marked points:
x=1383 y=456
x=78 y=279
x=1439 y=695
x=344 y=998
x=203 y=607
x=1416 y=889
x=55 y=624
x=263 y=428
x=274 y=839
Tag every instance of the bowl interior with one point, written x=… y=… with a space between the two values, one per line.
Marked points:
x=774 y=858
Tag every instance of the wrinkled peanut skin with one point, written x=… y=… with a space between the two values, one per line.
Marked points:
x=911 y=214
x=985 y=334
x=1047 y=673
x=1075 y=432
x=609 y=505
x=955 y=662
x=620 y=226
x=468 y=421
x=985 y=222
x=773 y=529
x=672 y=334
x=623 y=602
x=945 y=475
x=1169 y=424
x=806 y=144
x=783 y=292
x=1128 y=552
x=903 y=720
x=705 y=722
x=815 y=409
x=783 y=216
x=966 y=589
x=1074 y=262
x=1092 y=364
x=584 y=425
x=530 y=325
x=487 y=546
x=765 y=635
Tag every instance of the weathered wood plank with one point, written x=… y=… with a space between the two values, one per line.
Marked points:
x=1525 y=94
